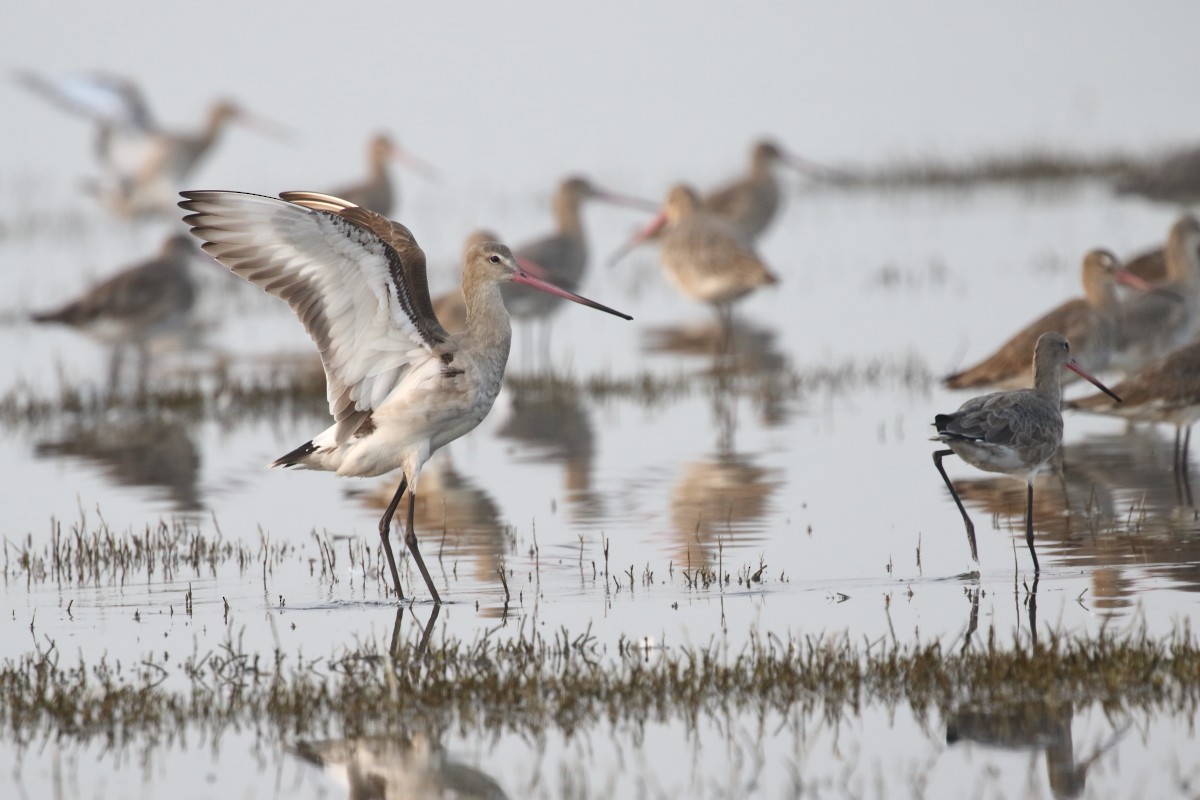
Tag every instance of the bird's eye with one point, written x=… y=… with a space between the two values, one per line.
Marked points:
x=494 y=259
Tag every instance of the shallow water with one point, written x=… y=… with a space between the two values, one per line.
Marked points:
x=652 y=489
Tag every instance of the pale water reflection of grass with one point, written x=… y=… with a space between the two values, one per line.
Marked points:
x=284 y=392
x=569 y=682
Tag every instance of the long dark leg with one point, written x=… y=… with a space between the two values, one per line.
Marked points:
x=1031 y=602
x=428 y=633
x=385 y=529
x=544 y=345
x=725 y=321
x=1182 y=447
x=1029 y=525
x=114 y=368
x=143 y=368
x=937 y=462
x=395 y=648
x=972 y=621
x=410 y=538
x=1184 y=467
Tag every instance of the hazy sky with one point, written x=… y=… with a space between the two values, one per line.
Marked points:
x=511 y=92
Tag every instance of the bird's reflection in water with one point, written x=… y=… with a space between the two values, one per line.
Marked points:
x=460 y=520
x=555 y=427
x=1114 y=504
x=1031 y=724
x=720 y=500
x=739 y=350
x=1138 y=467
x=1042 y=723
x=405 y=767
x=151 y=451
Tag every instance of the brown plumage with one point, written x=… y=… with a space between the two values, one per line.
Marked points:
x=702 y=254
x=378 y=192
x=136 y=303
x=750 y=203
x=1165 y=390
x=1089 y=323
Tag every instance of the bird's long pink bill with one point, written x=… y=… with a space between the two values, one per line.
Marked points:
x=417 y=165
x=534 y=269
x=1078 y=370
x=549 y=288
x=267 y=127
x=654 y=226
x=1133 y=281
x=626 y=200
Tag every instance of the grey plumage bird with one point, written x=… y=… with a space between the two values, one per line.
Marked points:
x=1015 y=432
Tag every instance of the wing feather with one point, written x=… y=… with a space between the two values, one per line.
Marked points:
x=355 y=280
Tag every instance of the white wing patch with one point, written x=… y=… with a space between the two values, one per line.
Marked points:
x=337 y=277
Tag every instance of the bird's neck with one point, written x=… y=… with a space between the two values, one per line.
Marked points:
x=212 y=130
x=378 y=169
x=1181 y=258
x=569 y=216
x=487 y=323
x=762 y=169
x=1048 y=383
x=1101 y=295
x=202 y=142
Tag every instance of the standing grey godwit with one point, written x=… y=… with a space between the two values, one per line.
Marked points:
x=1156 y=322
x=399 y=386
x=377 y=192
x=1015 y=432
x=1089 y=323
x=750 y=203
x=702 y=254
x=145 y=300
x=563 y=254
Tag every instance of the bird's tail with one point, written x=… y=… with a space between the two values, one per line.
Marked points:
x=66 y=315
x=296 y=457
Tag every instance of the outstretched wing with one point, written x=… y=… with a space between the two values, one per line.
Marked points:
x=355 y=279
x=110 y=100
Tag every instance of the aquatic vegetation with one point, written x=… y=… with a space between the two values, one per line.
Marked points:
x=85 y=554
x=569 y=682
x=1032 y=165
x=292 y=393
